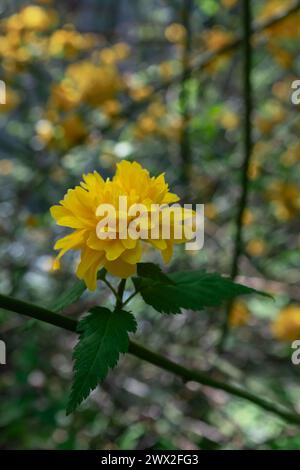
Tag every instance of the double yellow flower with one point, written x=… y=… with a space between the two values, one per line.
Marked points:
x=78 y=211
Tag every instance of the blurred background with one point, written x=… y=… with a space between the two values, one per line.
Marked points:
x=89 y=83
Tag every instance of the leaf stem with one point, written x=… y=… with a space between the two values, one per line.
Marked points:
x=110 y=287
x=120 y=293
x=42 y=314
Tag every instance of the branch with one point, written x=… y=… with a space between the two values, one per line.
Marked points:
x=42 y=314
x=185 y=145
x=248 y=145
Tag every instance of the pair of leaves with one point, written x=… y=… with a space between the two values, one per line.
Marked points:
x=192 y=290
x=103 y=336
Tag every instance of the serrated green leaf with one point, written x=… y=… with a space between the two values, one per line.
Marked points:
x=103 y=336
x=69 y=297
x=154 y=272
x=193 y=290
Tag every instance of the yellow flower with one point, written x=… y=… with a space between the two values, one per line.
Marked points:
x=239 y=314
x=79 y=210
x=214 y=39
x=286 y=327
x=73 y=130
x=229 y=119
x=285 y=198
x=68 y=42
x=37 y=18
x=229 y=3
x=256 y=247
x=288 y=28
x=175 y=33
x=94 y=84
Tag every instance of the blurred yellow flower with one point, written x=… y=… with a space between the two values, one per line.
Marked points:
x=282 y=56
x=73 y=130
x=175 y=33
x=229 y=119
x=37 y=18
x=216 y=38
x=292 y=155
x=166 y=70
x=285 y=198
x=112 y=108
x=94 y=84
x=69 y=43
x=285 y=29
x=286 y=327
x=45 y=130
x=256 y=247
x=210 y=211
x=79 y=211
x=229 y=3
x=239 y=314
x=248 y=217
x=6 y=167
x=139 y=93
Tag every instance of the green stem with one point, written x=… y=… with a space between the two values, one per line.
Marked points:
x=130 y=298
x=110 y=287
x=151 y=357
x=121 y=288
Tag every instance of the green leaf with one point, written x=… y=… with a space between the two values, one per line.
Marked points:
x=193 y=290
x=73 y=294
x=69 y=297
x=103 y=336
x=154 y=272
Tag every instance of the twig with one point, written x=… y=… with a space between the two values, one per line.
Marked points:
x=247 y=144
x=185 y=146
x=42 y=314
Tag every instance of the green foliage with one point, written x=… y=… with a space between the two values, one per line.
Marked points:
x=69 y=297
x=153 y=271
x=191 y=290
x=103 y=336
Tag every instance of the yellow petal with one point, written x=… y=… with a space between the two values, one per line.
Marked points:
x=114 y=248
x=90 y=263
x=71 y=242
x=120 y=269
x=133 y=256
x=168 y=252
x=129 y=243
x=95 y=243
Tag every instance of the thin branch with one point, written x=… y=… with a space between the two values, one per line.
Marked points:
x=39 y=313
x=185 y=145
x=247 y=151
x=121 y=288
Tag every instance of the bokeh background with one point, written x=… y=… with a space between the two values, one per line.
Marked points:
x=90 y=83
